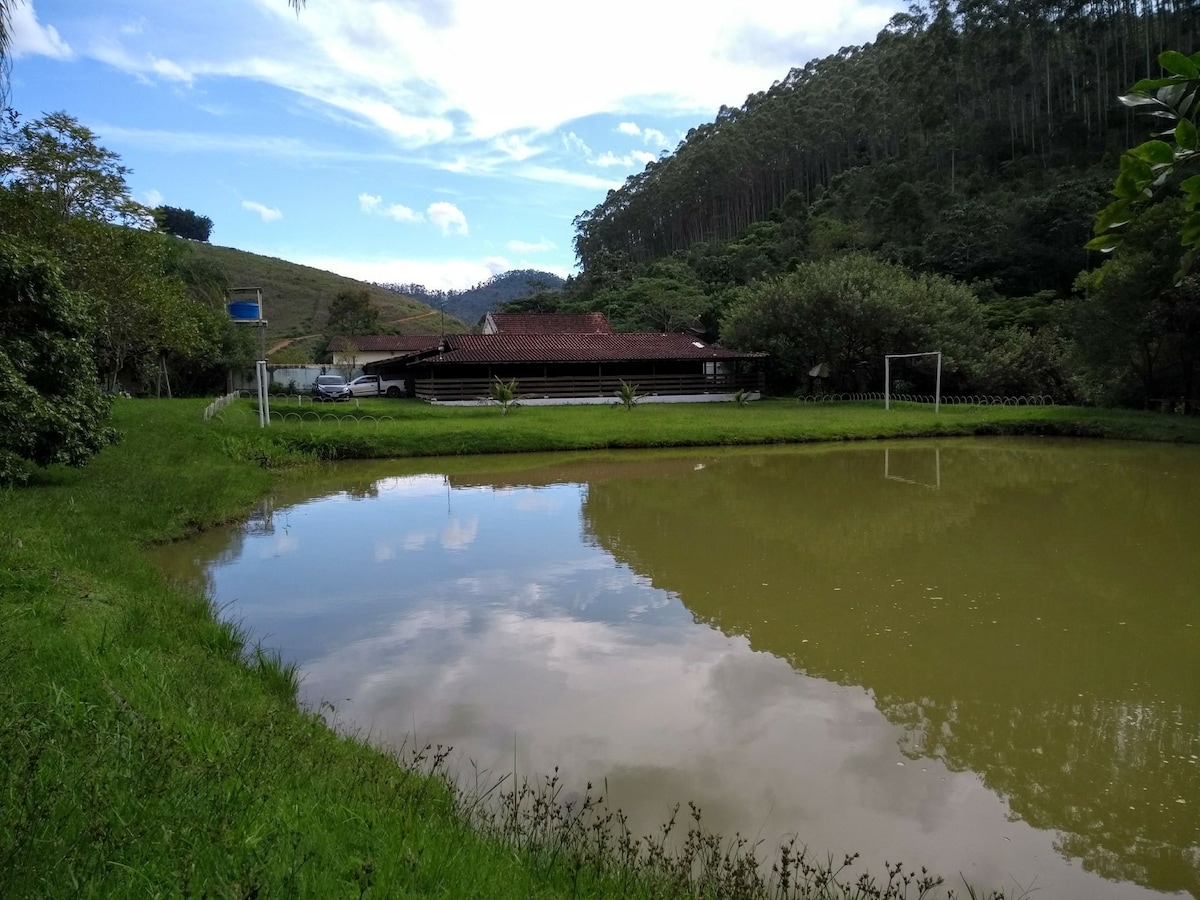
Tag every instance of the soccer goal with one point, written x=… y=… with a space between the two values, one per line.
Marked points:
x=887 y=377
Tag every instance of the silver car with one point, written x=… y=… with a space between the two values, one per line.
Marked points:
x=330 y=387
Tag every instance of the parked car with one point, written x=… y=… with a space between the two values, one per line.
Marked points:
x=330 y=387
x=365 y=386
x=375 y=385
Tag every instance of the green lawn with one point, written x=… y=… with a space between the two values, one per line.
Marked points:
x=148 y=750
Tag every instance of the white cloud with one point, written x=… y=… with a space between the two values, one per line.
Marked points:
x=448 y=217
x=541 y=246
x=575 y=144
x=268 y=213
x=648 y=135
x=459 y=535
x=373 y=205
x=634 y=159
x=444 y=275
x=427 y=73
x=654 y=136
x=152 y=198
x=514 y=146
x=31 y=38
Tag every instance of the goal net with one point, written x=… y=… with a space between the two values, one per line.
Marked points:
x=887 y=376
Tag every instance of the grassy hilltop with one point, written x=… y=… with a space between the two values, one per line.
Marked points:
x=297 y=298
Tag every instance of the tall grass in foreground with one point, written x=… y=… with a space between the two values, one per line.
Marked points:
x=148 y=749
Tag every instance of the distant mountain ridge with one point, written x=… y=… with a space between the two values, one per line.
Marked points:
x=472 y=304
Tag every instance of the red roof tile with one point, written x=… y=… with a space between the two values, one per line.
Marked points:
x=501 y=348
x=386 y=343
x=551 y=323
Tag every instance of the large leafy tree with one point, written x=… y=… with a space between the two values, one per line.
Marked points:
x=351 y=312
x=58 y=164
x=847 y=312
x=66 y=193
x=51 y=407
x=182 y=223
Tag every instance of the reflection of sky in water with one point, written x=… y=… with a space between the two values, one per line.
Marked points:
x=485 y=619
x=336 y=570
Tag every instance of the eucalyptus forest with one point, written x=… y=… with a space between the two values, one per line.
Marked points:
x=970 y=146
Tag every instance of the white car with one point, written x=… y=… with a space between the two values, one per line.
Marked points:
x=374 y=386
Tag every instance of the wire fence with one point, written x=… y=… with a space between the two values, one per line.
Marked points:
x=954 y=399
x=219 y=404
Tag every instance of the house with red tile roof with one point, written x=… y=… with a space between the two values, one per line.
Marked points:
x=555 y=367
x=546 y=323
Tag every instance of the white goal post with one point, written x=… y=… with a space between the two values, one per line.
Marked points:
x=887 y=377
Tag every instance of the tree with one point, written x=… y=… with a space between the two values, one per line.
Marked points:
x=65 y=193
x=57 y=161
x=351 y=312
x=182 y=223
x=51 y=407
x=1150 y=169
x=1136 y=329
x=847 y=312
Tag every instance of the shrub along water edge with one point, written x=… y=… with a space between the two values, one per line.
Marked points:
x=148 y=747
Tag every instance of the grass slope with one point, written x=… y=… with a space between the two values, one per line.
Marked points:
x=146 y=750
x=296 y=298
x=398 y=428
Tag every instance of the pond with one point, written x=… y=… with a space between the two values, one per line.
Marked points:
x=981 y=656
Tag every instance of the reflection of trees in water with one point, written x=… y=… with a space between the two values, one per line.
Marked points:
x=1106 y=775
x=1023 y=622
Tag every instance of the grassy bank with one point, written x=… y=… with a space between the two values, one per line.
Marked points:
x=148 y=750
x=373 y=429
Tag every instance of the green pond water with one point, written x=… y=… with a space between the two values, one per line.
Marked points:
x=981 y=656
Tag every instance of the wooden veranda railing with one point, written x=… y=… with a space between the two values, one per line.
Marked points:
x=580 y=386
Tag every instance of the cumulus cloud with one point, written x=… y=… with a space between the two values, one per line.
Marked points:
x=373 y=205
x=267 y=213
x=541 y=246
x=631 y=160
x=152 y=198
x=31 y=38
x=448 y=217
x=648 y=135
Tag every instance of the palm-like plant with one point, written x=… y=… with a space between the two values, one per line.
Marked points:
x=628 y=394
x=504 y=394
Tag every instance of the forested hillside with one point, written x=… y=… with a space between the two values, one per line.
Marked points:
x=472 y=304
x=972 y=140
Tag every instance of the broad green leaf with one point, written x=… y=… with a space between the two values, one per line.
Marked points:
x=1189 y=234
x=1172 y=96
x=1106 y=243
x=1185 y=134
x=1112 y=216
x=1191 y=184
x=1157 y=153
x=1148 y=85
x=1127 y=186
x=1139 y=97
x=1174 y=61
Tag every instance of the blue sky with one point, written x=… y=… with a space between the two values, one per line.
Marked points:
x=430 y=141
